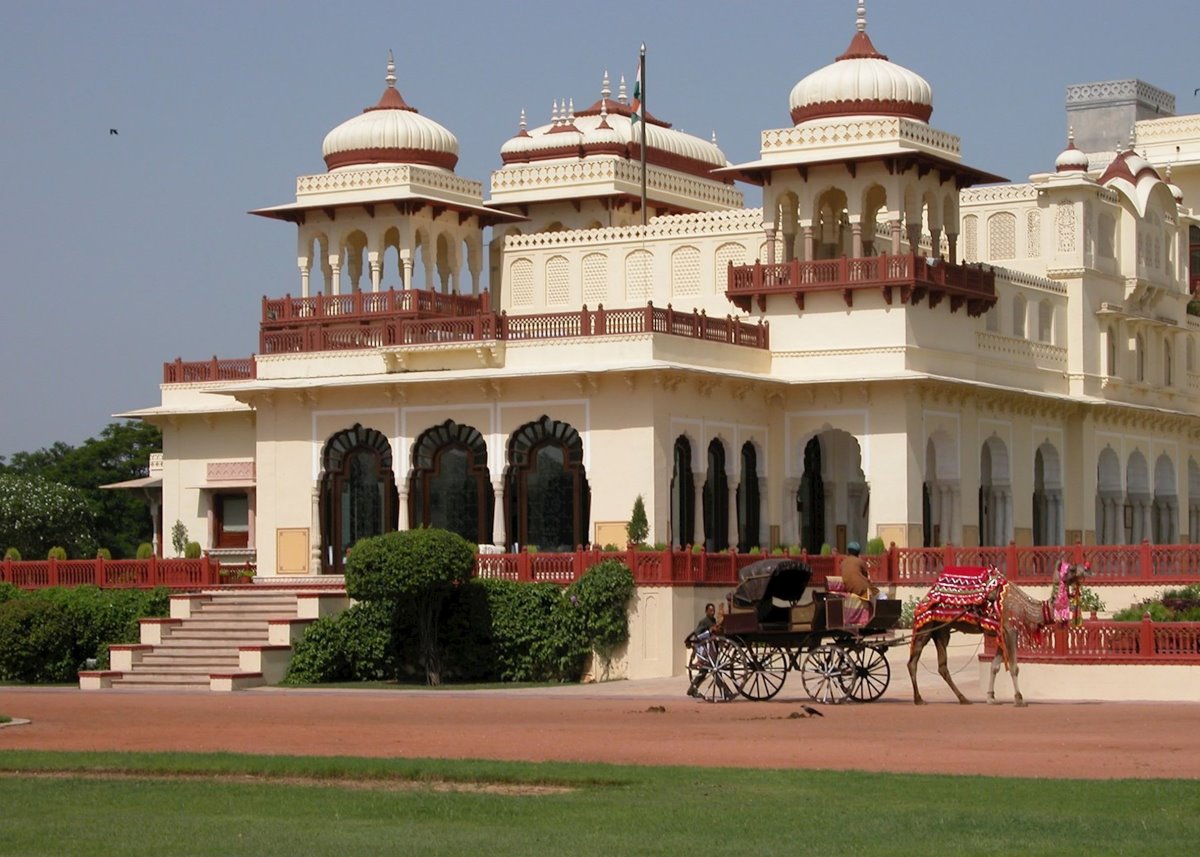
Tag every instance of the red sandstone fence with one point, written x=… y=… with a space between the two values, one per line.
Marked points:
x=1144 y=564
x=1102 y=641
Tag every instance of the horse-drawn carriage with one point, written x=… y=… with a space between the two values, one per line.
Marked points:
x=836 y=641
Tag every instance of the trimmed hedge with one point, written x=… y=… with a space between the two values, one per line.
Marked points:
x=490 y=630
x=48 y=635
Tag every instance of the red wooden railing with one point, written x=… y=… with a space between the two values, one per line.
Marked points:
x=1128 y=565
x=190 y=372
x=916 y=277
x=1102 y=641
x=359 y=305
x=113 y=573
x=336 y=334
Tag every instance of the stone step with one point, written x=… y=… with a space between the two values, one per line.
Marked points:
x=157 y=660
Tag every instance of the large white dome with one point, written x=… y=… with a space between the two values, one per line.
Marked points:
x=861 y=81
x=608 y=128
x=391 y=132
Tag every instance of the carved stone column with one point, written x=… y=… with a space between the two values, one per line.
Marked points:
x=699 y=536
x=770 y=245
x=895 y=236
x=734 y=529
x=314 y=541
x=789 y=532
x=764 y=529
x=808 y=243
x=856 y=244
x=499 y=537
x=335 y=277
x=402 y=522
x=304 y=271
x=376 y=270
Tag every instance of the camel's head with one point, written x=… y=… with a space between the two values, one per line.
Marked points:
x=1067 y=585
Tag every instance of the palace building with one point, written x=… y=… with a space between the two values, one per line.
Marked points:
x=892 y=344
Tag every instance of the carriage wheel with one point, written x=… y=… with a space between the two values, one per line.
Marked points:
x=827 y=674
x=764 y=669
x=871 y=673
x=715 y=670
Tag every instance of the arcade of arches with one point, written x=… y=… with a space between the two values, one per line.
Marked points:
x=719 y=494
x=541 y=500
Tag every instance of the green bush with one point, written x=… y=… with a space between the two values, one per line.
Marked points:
x=56 y=552
x=875 y=547
x=104 y=554
x=416 y=568
x=826 y=549
x=35 y=641
x=907 y=611
x=192 y=550
x=71 y=625
x=145 y=550
x=179 y=537
x=1174 y=605
x=520 y=629
x=13 y=554
x=356 y=645
x=8 y=591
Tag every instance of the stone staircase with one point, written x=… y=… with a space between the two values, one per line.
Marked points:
x=226 y=639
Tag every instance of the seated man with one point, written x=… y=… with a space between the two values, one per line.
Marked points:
x=855 y=575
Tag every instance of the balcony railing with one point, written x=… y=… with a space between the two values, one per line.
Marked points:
x=408 y=303
x=914 y=277
x=196 y=371
x=339 y=334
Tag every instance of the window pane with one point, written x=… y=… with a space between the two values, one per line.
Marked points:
x=235 y=514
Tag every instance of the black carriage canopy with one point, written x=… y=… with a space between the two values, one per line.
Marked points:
x=769 y=579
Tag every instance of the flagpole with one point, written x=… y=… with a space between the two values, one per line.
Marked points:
x=642 y=124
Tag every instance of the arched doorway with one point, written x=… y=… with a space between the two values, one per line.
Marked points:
x=1047 y=496
x=1110 y=527
x=1138 y=499
x=810 y=499
x=547 y=497
x=683 y=495
x=748 y=501
x=834 y=498
x=995 y=494
x=358 y=497
x=1166 y=502
x=940 y=492
x=716 y=499
x=449 y=486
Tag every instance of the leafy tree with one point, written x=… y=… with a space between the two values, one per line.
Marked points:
x=36 y=514
x=638 y=527
x=121 y=452
x=415 y=566
x=179 y=537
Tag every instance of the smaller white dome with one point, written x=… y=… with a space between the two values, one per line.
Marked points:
x=1071 y=159
x=391 y=132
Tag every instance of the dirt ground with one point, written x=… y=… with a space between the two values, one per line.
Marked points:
x=629 y=722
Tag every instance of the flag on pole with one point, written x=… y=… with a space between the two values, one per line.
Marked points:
x=636 y=104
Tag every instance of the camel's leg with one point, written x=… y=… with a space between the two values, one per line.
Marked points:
x=914 y=657
x=996 y=662
x=1013 y=668
x=942 y=640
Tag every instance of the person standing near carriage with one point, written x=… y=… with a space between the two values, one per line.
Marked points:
x=699 y=637
x=855 y=575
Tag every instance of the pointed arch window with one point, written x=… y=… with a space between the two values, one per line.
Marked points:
x=547 y=496
x=716 y=500
x=683 y=495
x=358 y=497
x=748 y=504
x=449 y=486
x=1111 y=352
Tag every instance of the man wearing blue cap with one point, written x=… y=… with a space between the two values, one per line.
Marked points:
x=854 y=574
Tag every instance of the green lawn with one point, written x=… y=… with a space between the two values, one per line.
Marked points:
x=232 y=805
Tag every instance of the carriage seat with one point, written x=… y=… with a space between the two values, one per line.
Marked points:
x=856 y=610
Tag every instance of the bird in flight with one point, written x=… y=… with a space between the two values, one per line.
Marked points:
x=112 y=132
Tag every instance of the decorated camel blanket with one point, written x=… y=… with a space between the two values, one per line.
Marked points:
x=963 y=594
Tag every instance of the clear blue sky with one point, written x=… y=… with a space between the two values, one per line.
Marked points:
x=122 y=252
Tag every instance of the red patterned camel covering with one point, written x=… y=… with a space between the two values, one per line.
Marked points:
x=967 y=594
